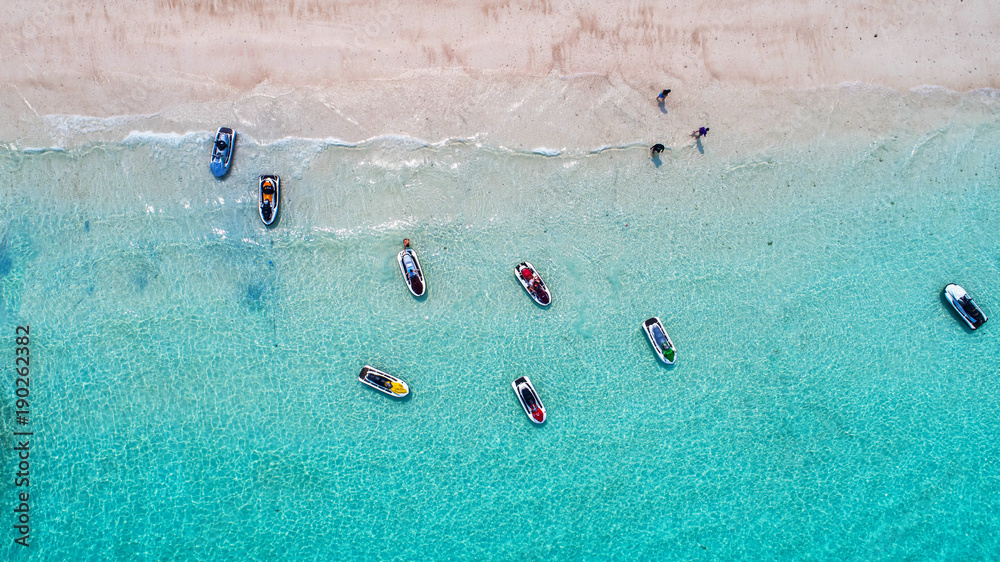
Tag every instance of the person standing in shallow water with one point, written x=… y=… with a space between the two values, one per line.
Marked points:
x=701 y=132
x=655 y=150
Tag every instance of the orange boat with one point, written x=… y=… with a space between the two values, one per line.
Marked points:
x=268 y=197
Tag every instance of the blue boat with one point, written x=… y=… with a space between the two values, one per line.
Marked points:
x=222 y=151
x=409 y=265
x=662 y=344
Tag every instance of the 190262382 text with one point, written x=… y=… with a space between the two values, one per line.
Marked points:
x=22 y=438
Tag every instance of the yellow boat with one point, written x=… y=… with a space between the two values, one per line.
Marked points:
x=383 y=382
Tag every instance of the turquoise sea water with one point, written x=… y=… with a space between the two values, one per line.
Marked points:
x=194 y=391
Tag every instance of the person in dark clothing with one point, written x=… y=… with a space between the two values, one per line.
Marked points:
x=655 y=150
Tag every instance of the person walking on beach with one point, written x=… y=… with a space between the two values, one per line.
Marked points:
x=663 y=96
x=701 y=132
x=656 y=150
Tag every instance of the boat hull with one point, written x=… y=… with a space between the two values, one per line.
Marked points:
x=383 y=382
x=268 y=203
x=540 y=295
x=963 y=304
x=529 y=400
x=416 y=284
x=657 y=338
x=222 y=158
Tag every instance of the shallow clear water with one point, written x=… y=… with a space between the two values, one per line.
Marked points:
x=194 y=377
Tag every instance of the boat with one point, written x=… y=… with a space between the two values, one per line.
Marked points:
x=662 y=345
x=409 y=265
x=222 y=151
x=383 y=382
x=268 y=197
x=532 y=283
x=529 y=400
x=964 y=305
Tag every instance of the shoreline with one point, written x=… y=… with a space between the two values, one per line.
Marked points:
x=553 y=115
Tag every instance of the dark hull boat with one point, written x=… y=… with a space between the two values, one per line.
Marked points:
x=413 y=274
x=532 y=283
x=529 y=400
x=964 y=306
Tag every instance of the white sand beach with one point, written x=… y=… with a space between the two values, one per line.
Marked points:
x=544 y=73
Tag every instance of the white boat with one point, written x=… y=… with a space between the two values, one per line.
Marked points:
x=409 y=266
x=662 y=345
x=222 y=151
x=532 y=283
x=383 y=382
x=269 y=196
x=964 y=305
x=529 y=400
